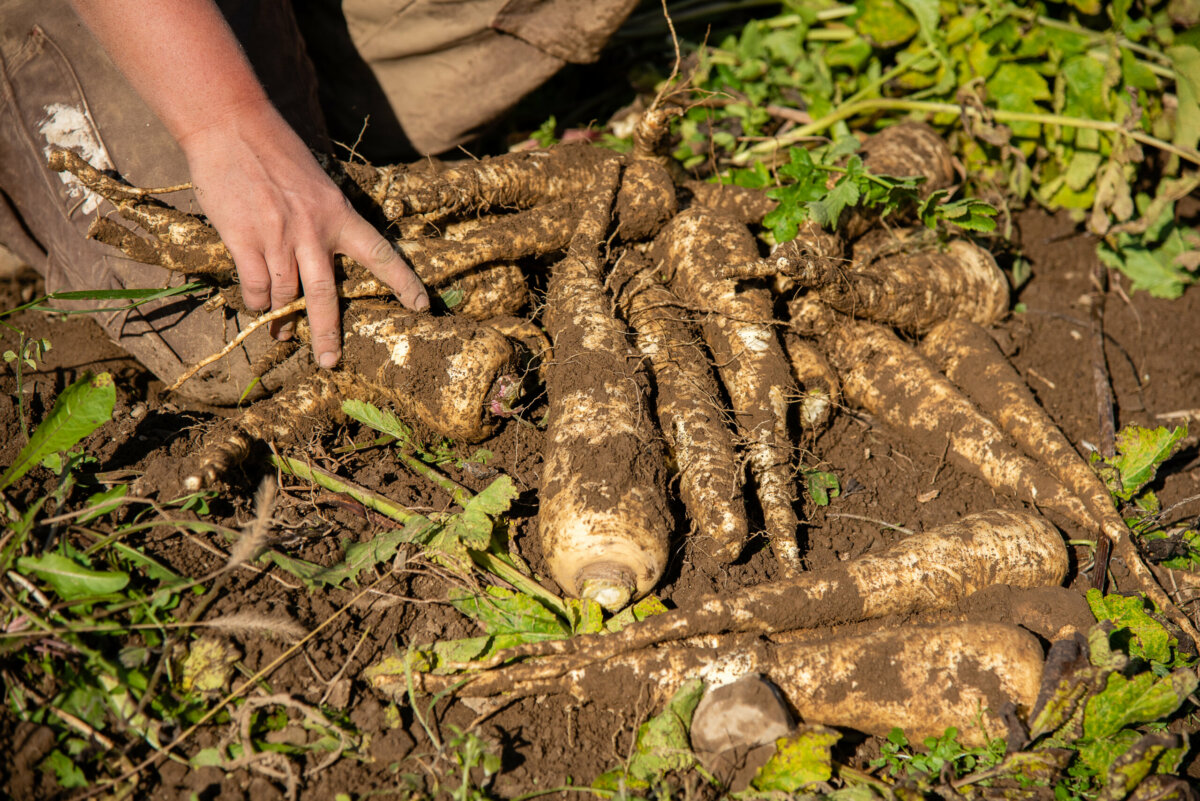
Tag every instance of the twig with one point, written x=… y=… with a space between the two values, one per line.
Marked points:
x=876 y=521
x=1104 y=404
x=284 y=311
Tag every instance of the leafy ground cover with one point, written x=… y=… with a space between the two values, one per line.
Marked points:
x=157 y=644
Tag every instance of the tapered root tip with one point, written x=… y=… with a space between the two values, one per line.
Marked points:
x=609 y=584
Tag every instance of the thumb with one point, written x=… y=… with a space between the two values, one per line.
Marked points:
x=361 y=242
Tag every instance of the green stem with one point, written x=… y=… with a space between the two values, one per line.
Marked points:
x=496 y=565
x=1067 y=27
x=457 y=491
x=849 y=110
x=331 y=482
x=906 y=62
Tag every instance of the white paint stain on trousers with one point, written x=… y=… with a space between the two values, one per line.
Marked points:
x=70 y=127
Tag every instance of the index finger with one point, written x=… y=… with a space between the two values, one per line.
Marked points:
x=360 y=241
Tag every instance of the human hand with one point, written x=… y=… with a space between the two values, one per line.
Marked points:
x=283 y=220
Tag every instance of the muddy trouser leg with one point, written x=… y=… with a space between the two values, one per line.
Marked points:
x=58 y=87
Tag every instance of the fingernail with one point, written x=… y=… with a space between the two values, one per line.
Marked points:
x=285 y=332
x=422 y=302
x=328 y=359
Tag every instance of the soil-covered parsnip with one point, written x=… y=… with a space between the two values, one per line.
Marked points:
x=505 y=182
x=819 y=389
x=456 y=377
x=892 y=381
x=494 y=289
x=287 y=416
x=921 y=679
x=971 y=359
x=737 y=324
x=927 y=572
x=687 y=402
x=178 y=241
x=603 y=521
x=915 y=290
x=539 y=231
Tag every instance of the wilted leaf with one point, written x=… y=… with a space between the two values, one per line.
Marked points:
x=647 y=607
x=1140 y=699
x=798 y=760
x=502 y=611
x=208 y=666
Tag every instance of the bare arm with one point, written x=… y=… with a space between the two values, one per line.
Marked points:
x=280 y=215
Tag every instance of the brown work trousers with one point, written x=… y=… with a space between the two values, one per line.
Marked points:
x=398 y=77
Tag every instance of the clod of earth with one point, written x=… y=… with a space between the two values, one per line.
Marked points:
x=686 y=248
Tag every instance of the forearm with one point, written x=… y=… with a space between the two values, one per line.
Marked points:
x=182 y=58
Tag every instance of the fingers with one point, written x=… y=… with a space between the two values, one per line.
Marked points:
x=361 y=242
x=285 y=287
x=320 y=291
x=254 y=278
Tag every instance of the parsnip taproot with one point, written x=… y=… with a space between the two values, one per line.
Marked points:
x=737 y=324
x=686 y=402
x=921 y=679
x=455 y=377
x=971 y=359
x=603 y=522
x=915 y=290
x=892 y=381
x=926 y=572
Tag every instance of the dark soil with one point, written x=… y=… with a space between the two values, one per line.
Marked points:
x=1153 y=355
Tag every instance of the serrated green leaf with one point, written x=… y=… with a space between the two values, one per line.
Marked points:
x=662 y=743
x=69 y=775
x=70 y=579
x=1150 y=640
x=1147 y=271
x=78 y=411
x=1140 y=452
x=472 y=527
x=502 y=611
x=798 y=760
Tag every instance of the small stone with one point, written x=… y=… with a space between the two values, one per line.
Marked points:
x=744 y=714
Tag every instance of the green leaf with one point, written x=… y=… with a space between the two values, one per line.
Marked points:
x=662 y=743
x=502 y=611
x=1018 y=87
x=472 y=527
x=1147 y=269
x=648 y=606
x=69 y=775
x=1151 y=641
x=70 y=579
x=887 y=23
x=1185 y=61
x=78 y=411
x=102 y=503
x=1140 y=452
x=798 y=760
x=822 y=486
